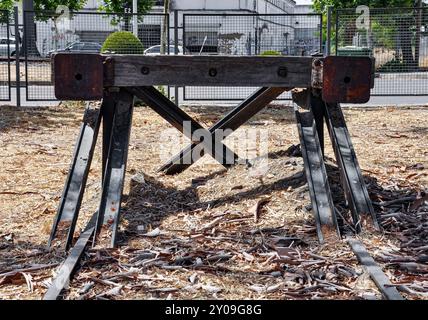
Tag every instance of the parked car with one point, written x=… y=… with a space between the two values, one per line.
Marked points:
x=155 y=50
x=86 y=47
x=7 y=45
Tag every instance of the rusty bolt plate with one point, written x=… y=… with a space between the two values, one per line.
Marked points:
x=78 y=76
x=347 y=79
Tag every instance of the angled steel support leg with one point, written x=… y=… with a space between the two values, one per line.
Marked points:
x=351 y=176
x=177 y=118
x=110 y=204
x=107 y=114
x=318 y=111
x=67 y=269
x=316 y=175
x=71 y=199
x=232 y=121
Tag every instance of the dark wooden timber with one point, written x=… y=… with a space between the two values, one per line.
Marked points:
x=316 y=174
x=83 y=76
x=110 y=204
x=138 y=70
x=178 y=119
x=378 y=276
x=71 y=199
x=232 y=121
x=351 y=176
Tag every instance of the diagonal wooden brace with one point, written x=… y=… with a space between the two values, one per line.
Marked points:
x=178 y=119
x=231 y=122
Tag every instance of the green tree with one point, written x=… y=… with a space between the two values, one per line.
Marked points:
x=5 y=8
x=43 y=10
x=119 y=6
x=51 y=5
x=123 y=8
x=406 y=24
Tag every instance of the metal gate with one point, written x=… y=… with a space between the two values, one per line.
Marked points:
x=248 y=34
x=47 y=33
x=398 y=40
x=7 y=47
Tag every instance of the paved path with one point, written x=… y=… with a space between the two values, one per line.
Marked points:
x=44 y=91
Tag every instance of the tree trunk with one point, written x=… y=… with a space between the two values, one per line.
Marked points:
x=29 y=46
x=164 y=35
x=418 y=14
x=406 y=42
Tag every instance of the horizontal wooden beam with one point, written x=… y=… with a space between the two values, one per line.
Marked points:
x=84 y=76
x=250 y=71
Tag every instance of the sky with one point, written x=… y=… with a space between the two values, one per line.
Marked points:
x=303 y=1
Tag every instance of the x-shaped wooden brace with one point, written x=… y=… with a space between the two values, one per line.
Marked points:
x=231 y=122
x=178 y=119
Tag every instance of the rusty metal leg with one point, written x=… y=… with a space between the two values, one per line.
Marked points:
x=352 y=178
x=232 y=121
x=178 y=119
x=71 y=199
x=316 y=175
x=318 y=110
x=67 y=269
x=110 y=204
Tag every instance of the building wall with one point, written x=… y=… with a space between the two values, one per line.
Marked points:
x=226 y=35
x=259 y=6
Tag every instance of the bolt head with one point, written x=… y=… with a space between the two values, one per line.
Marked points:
x=282 y=72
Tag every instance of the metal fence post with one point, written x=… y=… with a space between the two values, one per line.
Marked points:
x=17 y=58
x=177 y=101
x=328 y=41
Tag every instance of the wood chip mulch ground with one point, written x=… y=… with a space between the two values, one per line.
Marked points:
x=210 y=233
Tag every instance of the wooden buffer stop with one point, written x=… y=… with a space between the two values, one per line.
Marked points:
x=117 y=79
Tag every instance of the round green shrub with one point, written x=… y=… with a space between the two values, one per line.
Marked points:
x=122 y=42
x=271 y=53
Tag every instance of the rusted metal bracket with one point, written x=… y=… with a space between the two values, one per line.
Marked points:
x=83 y=76
x=78 y=76
x=347 y=79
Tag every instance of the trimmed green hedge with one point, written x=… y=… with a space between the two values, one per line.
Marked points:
x=122 y=42
x=271 y=53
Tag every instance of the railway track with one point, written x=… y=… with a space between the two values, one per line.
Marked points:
x=117 y=79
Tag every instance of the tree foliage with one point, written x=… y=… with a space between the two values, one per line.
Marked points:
x=52 y=5
x=398 y=31
x=120 y=6
x=320 y=5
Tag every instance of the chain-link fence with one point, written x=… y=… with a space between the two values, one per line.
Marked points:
x=7 y=48
x=398 y=40
x=396 y=37
x=85 y=32
x=248 y=34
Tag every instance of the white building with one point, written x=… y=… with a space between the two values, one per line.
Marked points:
x=227 y=27
x=230 y=26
